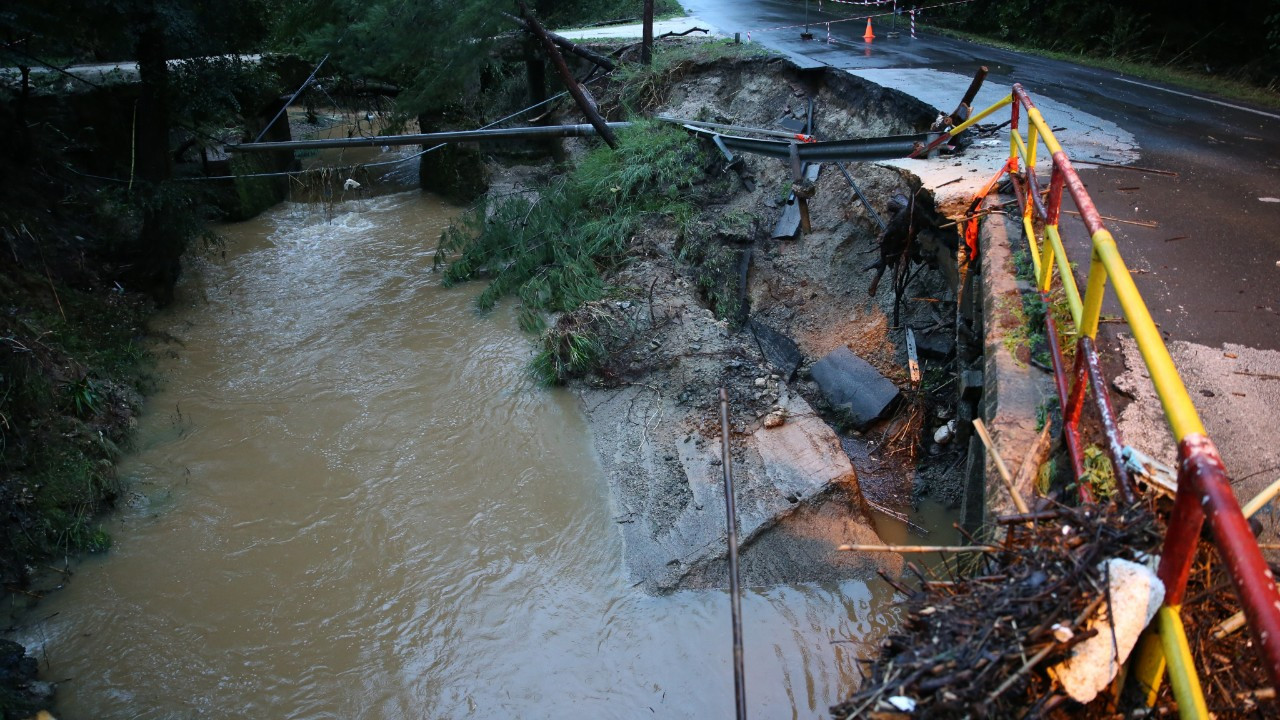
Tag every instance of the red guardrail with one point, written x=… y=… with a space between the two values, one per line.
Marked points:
x=1203 y=489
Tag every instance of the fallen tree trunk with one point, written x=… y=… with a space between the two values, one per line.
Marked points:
x=576 y=90
x=567 y=44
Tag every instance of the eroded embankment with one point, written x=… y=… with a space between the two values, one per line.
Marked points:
x=715 y=300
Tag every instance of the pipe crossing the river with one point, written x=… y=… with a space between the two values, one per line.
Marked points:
x=858 y=149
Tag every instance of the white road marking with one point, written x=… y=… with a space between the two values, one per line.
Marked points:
x=1199 y=97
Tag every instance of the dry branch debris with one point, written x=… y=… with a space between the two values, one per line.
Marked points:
x=980 y=632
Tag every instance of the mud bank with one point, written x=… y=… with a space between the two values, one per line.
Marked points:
x=718 y=301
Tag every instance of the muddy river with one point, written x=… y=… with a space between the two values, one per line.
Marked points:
x=349 y=500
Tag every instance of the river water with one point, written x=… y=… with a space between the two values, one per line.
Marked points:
x=349 y=500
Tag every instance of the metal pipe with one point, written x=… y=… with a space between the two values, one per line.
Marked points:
x=1071 y=418
x=723 y=126
x=862 y=149
x=1203 y=484
x=544 y=131
x=731 y=517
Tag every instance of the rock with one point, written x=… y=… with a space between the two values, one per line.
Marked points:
x=781 y=351
x=903 y=703
x=852 y=386
x=1134 y=593
x=971 y=384
x=939 y=345
x=761 y=382
x=20 y=693
x=944 y=433
x=774 y=419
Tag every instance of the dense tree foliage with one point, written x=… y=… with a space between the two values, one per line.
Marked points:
x=433 y=49
x=198 y=96
x=1242 y=38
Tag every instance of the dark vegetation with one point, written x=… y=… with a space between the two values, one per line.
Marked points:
x=93 y=230
x=436 y=52
x=1240 y=41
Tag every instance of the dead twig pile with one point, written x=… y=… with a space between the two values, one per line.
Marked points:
x=980 y=632
x=1234 y=682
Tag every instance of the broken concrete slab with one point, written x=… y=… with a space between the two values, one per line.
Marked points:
x=798 y=548
x=666 y=488
x=781 y=351
x=855 y=388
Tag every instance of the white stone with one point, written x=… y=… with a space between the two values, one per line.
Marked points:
x=1135 y=594
x=903 y=703
x=944 y=433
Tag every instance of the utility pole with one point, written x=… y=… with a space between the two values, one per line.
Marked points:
x=646 y=47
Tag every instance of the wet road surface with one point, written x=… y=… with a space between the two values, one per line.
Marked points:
x=1211 y=269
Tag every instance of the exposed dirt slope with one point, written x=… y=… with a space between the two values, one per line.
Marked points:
x=693 y=293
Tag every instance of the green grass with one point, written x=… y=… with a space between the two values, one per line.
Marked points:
x=710 y=257
x=1032 y=311
x=1098 y=473
x=552 y=252
x=1219 y=85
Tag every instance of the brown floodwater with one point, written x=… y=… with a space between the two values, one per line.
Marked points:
x=348 y=499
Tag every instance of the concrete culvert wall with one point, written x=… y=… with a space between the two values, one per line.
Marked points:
x=654 y=416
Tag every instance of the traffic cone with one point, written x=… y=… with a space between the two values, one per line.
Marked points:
x=868 y=35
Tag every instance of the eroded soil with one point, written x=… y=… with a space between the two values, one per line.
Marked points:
x=694 y=300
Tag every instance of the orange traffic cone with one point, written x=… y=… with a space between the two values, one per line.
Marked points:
x=868 y=35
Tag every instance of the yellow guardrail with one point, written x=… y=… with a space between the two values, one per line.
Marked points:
x=1203 y=489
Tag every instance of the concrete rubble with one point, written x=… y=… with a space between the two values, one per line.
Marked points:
x=670 y=502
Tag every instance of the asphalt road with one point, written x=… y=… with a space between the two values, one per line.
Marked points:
x=1211 y=270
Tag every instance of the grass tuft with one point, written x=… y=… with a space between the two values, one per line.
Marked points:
x=550 y=249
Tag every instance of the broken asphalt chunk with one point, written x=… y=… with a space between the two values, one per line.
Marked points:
x=781 y=351
x=852 y=386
